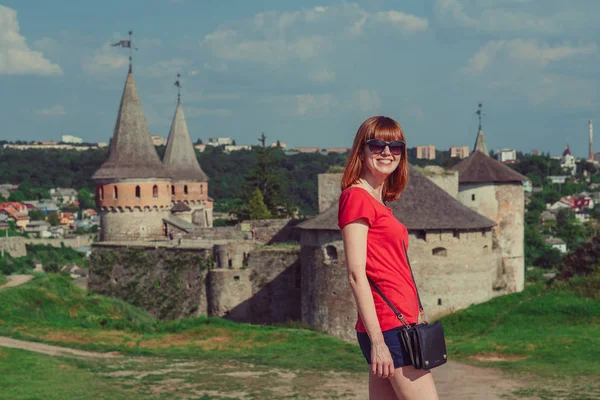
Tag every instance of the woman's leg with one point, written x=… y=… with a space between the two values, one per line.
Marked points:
x=413 y=384
x=381 y=389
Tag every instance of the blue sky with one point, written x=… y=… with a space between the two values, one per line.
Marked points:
x=308 y=73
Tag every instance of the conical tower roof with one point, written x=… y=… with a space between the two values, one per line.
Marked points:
x=478 y=168
x=131 y=153
x=180 y=156
x=480 y=144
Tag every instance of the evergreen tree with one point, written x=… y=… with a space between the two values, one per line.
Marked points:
x=16 y=195
x=256 y=206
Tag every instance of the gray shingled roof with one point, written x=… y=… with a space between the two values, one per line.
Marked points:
x=180 y=156
x=422 y=206
x=131 y=154
x=479 y=168
x=180 y=207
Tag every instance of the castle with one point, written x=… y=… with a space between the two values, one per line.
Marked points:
x=466 y=232
x=141 y=197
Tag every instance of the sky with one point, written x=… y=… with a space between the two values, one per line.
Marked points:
x=307 y=73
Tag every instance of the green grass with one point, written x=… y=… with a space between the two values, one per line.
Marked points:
x=2 y=279
x=51 y=309
x=539 y=331
x=26 y=376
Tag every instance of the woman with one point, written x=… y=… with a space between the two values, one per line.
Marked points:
x=374 y=240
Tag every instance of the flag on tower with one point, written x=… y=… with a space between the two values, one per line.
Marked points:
x=123 y=43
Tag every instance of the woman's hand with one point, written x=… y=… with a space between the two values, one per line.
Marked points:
x=382 y=364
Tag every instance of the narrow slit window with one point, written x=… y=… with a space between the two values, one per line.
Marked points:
x=138 y=192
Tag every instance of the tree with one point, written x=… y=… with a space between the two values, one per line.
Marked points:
x=569 y=229
x=84 y=196
x=16 y=195
x=37 y=215
x=265 y=178
x=256 y=206
x=233 y=143
x=52 y=218
x=199 y=141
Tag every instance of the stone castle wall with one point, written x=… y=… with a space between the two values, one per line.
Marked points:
x=451 y=273
x=504 y=204
x=446 y=180
x=132 y=225
x=13 y=245
x=267 y=291
x=329 y=190
x=77 y=241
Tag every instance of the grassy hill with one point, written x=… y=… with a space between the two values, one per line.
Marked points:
x=543 y=334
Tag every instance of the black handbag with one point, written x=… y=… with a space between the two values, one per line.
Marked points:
x=424 y=343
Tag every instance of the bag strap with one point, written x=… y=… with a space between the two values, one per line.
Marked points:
x=389 y=303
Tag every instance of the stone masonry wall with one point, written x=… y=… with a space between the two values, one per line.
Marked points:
x=267 y=291
x=14 y=245
x=168 y=283
x=329 y=190
x=451 y=273
x=132 y=225
x=504 y=204
x=447 y=180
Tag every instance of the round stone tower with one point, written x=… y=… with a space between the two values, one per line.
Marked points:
x=496 y=191
x=189 y=182
x=133 y=187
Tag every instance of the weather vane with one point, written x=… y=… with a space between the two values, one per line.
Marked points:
x=178 y=84
x=480 y=113
x=127 y=44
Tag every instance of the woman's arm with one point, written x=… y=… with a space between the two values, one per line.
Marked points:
x=355 y=247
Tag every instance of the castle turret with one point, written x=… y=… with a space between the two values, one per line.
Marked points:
x=496 y=191
x=480 y=144
x=189 y=182
x=133 y=188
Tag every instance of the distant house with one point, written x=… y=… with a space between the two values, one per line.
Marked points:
x=547 y=216
x=557 y=244
x=89 y=213
x=4 y=226
x=66 y=218
x=37 y=227
x=577 y=204
x=63 y=195
x=561 y=179
x=47 y=207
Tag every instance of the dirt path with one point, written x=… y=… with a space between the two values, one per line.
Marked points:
x=16 y=280
x=455 y=381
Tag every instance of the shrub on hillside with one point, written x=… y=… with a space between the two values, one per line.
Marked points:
x=582 y=262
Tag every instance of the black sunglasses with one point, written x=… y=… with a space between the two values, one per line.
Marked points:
x=377 y=146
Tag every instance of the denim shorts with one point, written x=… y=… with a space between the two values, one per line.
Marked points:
x=399 y=354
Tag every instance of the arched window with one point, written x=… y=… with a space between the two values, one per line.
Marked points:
x=101 y=192
x=172 y=190
x=185 y=190
x=115 y=192
x=155 y=191
x=440 y=252
x=137 y=192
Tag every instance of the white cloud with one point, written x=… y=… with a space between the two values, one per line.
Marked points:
x=523 y=69
x=106 y=59
x=276 y=38
x=52 y=111
x=310 y=103
x=522 y=51
x=16 y=58
x=402 y=21
x=322 y=75
x=510 y=18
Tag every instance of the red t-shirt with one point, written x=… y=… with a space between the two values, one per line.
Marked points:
x=386 y=264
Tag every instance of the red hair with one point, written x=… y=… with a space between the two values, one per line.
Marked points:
x=383 y=128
